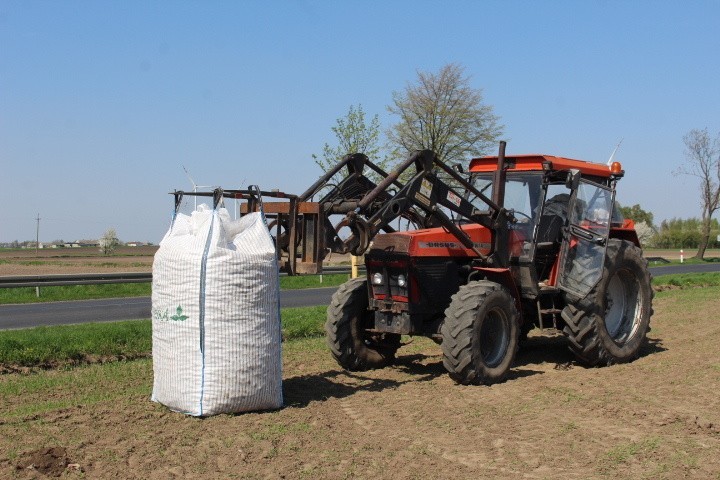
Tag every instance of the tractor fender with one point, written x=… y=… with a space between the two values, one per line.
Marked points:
x=504 y=277
x=626 y=231
x=628 y=234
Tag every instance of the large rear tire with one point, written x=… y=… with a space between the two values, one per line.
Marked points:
x=610 y=324
x=348 y=318
x=480 y=333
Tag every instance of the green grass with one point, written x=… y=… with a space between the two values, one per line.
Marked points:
x=121 y=290
x=73 y=292
x=69 y=344
x=72 y=344
x=686 y=261
x=303 y=322
x=688 y=280
x=313 y=281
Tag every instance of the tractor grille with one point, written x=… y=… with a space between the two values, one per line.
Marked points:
x=438 y=280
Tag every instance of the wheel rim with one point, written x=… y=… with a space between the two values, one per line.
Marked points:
x=494 y=337
x=623 y=306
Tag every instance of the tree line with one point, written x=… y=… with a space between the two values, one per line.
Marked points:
x=679 y=233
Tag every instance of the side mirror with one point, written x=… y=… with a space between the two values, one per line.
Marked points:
x=573 y=179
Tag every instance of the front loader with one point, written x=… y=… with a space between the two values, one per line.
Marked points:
x=514 y=243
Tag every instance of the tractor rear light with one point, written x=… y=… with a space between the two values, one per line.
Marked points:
x=401 y=281
x=377 y=278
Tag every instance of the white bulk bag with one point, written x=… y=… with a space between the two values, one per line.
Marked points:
x=215 y=315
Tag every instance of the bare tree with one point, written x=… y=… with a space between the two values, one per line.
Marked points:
x=702 y=156
x=108 y=242
x=443 y=113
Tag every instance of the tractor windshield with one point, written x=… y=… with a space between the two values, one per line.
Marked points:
x=522 y=193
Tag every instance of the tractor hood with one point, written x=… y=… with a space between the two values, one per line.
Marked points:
x=433 y=242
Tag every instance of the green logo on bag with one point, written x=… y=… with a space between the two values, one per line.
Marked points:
x=164 y=315
x=179 y=317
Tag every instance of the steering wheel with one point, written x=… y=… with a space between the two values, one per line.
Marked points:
x=516 y=212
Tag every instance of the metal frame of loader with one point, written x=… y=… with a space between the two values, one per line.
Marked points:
x=301 y=226
x=305 y=234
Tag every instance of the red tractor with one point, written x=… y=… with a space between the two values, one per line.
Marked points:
x=547 y=248
x=476 y=273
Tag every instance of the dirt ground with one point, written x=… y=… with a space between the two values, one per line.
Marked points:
x=658 y=417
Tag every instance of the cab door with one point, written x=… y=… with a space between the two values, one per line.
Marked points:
x=582 y=256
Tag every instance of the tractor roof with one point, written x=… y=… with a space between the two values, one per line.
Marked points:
x=534 y=162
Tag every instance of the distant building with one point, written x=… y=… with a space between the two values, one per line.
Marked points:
x=137 y=244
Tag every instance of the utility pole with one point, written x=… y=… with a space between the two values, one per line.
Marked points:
x=37 y=235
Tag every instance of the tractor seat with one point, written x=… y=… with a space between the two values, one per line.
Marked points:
x=549 y=233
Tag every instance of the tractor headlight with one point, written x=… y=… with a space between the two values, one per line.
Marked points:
x=377 y=279
x=402 y=281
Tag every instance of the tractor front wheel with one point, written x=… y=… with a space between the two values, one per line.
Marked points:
x=610 y=324
x=480 y=333
x=348 y=319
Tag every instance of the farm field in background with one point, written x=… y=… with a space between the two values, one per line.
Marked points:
x=139 y=259
x=655 y=418
x=75 y=260
x=90 y=260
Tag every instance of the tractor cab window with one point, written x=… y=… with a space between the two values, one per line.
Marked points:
x=523 y=191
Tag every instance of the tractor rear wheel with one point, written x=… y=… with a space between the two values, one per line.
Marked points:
x=348 y=318
x=610 y=324
x=480 y=333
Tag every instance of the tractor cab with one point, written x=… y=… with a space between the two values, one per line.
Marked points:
x=553 y=199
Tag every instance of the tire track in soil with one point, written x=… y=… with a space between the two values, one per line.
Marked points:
x=357 y=410
x=396 y=416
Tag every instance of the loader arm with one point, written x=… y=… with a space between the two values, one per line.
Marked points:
x=428 y=193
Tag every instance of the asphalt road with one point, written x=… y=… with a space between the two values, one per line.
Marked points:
x=110 y=310
x=114 y=309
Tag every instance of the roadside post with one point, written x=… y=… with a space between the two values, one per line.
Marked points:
x=354 y=266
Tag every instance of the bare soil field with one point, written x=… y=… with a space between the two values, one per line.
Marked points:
x=655 y=418
x=90 y=260
x=75 y=260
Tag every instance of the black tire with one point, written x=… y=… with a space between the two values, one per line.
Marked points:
x=347 y=318
x=610 y=324
x=480 y=333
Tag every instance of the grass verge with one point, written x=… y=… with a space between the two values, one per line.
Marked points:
x=122 y=290
x=687 y=280
x=98 y=342
x=73 y=292
x=686 y=261
x=46 y=347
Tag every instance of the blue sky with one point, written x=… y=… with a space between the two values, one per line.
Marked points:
x=102 y=102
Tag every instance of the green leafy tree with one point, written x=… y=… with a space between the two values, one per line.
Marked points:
x=638 y=214
x=444 y=113
x=354 y=135
x=702 y=155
